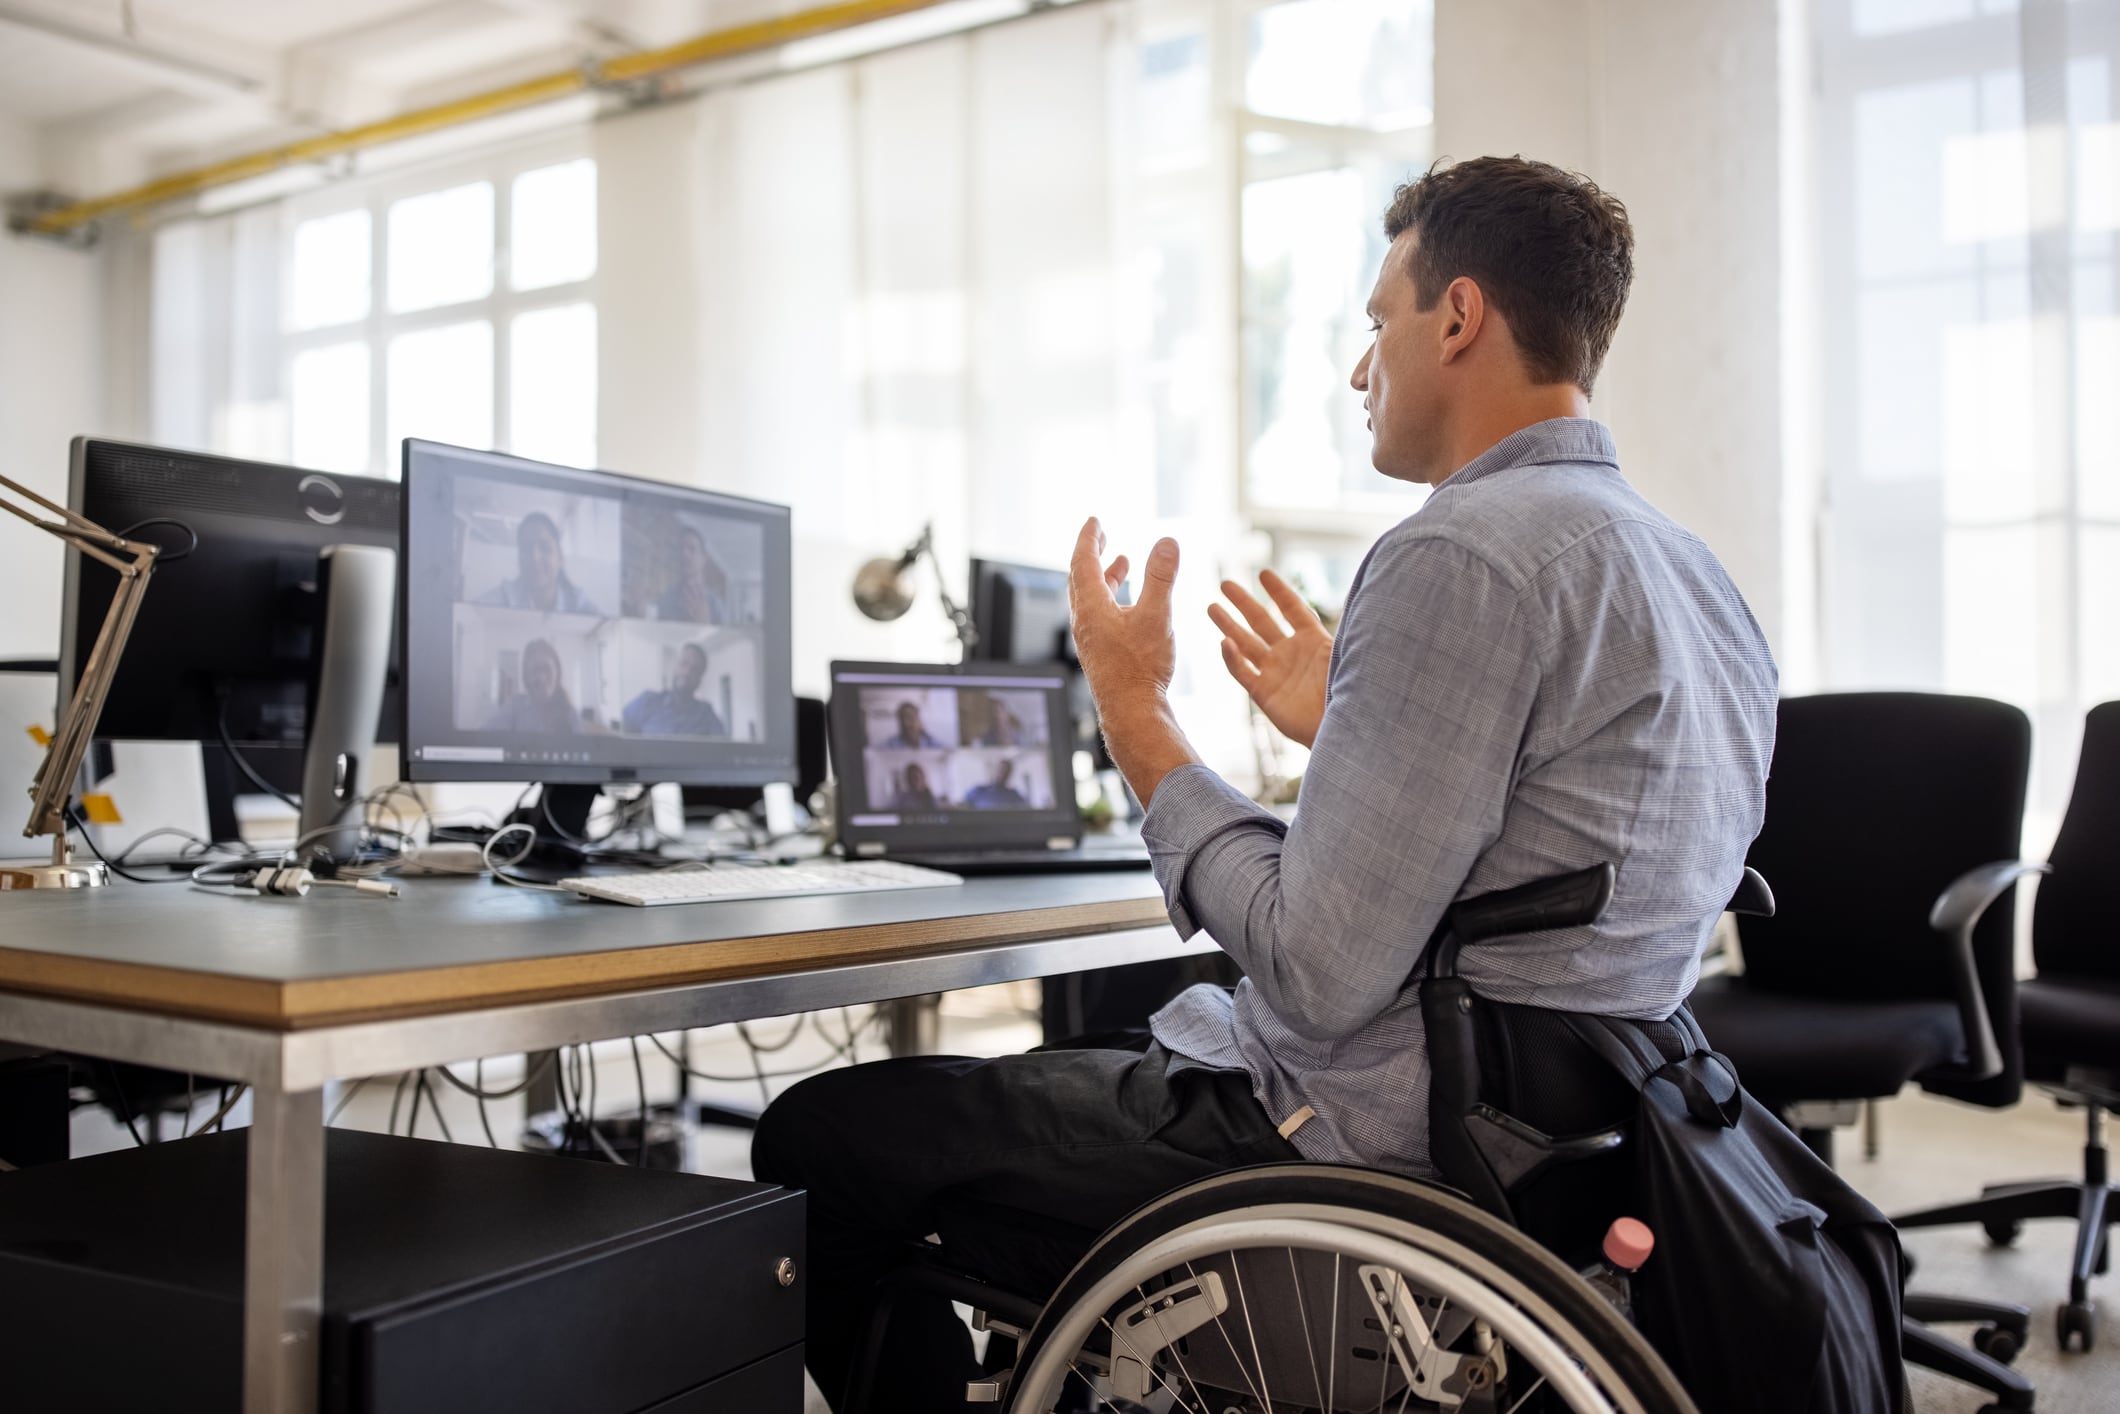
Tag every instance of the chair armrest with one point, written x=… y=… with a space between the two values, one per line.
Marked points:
x=1753 y=897
x=1956 y=912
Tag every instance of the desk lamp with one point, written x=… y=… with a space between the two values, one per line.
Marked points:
x=883 y=589
x=134 y=562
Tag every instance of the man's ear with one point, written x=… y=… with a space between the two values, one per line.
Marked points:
x=1464 y=311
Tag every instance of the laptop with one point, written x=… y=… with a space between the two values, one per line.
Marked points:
x=967 y=767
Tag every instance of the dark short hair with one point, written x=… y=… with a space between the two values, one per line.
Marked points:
x=536 y=520
x=1549 y=249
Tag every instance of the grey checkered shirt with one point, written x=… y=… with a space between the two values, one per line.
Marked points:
x=1537 y=671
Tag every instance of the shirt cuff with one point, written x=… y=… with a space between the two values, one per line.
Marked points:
x=1191 y=809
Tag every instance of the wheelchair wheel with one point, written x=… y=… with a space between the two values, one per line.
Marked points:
x=1315 y=1289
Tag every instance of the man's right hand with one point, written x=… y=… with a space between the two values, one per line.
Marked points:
x=1283 y=668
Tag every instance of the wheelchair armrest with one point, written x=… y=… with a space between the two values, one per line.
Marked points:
x=1563 y=901
x=1753 y=897
x=1956 y=913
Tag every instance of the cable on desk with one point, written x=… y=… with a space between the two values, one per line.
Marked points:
x=500 y=867
x=191 y=1097
x=73 y=814
x=396 y=1095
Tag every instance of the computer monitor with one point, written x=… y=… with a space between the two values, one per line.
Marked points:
x=1020 y=612
x=581 y=628
x=1021 y=615
x=226 y=642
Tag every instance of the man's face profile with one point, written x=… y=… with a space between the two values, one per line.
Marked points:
x=1399 y=374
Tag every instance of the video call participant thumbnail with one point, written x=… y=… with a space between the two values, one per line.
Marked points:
x=541 y=575
x=541 y=703
x=677 y=710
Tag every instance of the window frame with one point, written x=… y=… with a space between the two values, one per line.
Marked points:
x=498 y=308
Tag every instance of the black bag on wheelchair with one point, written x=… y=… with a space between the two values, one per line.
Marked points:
x=1774 y=1285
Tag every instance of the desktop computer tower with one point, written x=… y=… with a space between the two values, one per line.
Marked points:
x=455 y=1278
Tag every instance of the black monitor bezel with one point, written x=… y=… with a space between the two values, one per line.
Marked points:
x=779 y=560
x=980 y=830
x=76 y=637
x=983 y=574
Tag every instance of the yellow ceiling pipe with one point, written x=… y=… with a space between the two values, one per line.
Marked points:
x=626 y=68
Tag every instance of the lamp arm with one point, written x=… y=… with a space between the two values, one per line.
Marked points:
x=134 y=562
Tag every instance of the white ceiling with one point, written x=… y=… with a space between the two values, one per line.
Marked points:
x=114 y=92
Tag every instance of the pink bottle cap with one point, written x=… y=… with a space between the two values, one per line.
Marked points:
x=1628 y=1243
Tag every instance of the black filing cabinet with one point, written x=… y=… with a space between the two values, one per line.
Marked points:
x=455 y=1278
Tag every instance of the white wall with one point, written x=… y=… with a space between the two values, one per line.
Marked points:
x=1674 y=108
x=50 y=389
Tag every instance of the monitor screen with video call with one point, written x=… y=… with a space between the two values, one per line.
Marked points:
x=584 y=627
x=927 y=752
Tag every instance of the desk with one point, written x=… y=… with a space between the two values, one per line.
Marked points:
x=287 y=994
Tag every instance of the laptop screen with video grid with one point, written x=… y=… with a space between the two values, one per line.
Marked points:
x=952 y=756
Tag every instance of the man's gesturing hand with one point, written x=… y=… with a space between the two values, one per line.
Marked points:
x=1284 y=669
x=1127 y=654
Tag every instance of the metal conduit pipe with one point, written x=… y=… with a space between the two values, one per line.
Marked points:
x=624 y=69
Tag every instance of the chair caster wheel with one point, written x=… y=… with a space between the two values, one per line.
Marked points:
x=2004 y=1232
x=2073 y=1320
x=1999 y=1345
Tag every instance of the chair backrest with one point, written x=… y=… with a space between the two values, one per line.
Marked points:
x=1875 y=802
x=2076 y=917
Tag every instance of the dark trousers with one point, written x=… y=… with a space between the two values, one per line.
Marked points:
x=1074 y=1136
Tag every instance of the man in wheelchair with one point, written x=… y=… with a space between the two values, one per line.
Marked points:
x=1535 y=672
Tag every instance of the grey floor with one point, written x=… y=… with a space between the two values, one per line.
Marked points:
x=1932 y=1151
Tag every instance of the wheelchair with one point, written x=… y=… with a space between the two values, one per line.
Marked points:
x=1303 y=1288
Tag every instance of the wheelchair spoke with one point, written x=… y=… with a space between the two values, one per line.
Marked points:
x=1310 y=1346
x=1388 y=1315
x=1526 y=1395
x=1236 y=1266
x=1232 y=1344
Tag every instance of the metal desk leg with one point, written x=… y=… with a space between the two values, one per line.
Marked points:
x=283 y=1252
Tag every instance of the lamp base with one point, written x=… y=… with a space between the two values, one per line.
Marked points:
x=70 y=875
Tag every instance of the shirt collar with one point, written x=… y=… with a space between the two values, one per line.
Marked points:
x=1558 y=439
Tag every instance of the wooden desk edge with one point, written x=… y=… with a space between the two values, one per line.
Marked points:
x=300 y=1005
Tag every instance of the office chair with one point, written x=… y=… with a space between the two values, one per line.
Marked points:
x=1892 y=825
x=2070 y=1015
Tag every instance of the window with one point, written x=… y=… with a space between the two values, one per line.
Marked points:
x=1320 y=157
x=1971 y=507
x=453 y=305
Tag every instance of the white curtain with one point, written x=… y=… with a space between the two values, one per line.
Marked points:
x=1971 y=220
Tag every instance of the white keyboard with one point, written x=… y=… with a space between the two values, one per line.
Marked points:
x=648 y=889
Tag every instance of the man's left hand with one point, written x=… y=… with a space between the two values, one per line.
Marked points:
x=1127 y=653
